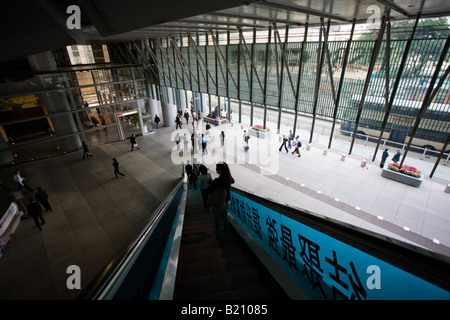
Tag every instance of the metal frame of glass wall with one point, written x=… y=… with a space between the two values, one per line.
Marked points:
x=317 y=78
x=97 y=93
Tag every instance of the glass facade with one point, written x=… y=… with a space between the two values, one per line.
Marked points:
x=375 y=104
x=353 y=92
x=32 y=128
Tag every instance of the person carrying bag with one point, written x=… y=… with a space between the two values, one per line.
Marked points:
x=219 y=196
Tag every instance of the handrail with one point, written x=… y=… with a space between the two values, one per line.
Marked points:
x=103 y=283
x=417 y=261
x=430 y=266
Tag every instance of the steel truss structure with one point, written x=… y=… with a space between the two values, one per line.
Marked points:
x=309 y=77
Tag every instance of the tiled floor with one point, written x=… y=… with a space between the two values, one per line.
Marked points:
x=95 y=215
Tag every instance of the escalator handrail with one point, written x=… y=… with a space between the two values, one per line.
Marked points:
x=431 y=266
x=99 y=286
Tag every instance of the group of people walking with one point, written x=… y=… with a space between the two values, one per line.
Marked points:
x=215 y=192
x=40 y=199
x=290 y=141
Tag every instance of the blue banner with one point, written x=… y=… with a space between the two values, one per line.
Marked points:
x=324 y=267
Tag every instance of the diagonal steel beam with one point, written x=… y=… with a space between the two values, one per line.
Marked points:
x=155 y=59
x=169 y=61
x=184 y=62
x=373 y=59
x=198 y=55
x=251 y=60
x=216 y=45
x=341 y=82
x=429 y=95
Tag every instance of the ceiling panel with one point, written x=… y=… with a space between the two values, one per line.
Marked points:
x=42 y=26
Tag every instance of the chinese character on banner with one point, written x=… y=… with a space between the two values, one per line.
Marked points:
x=288 y=248
x=241 y=210
x=310 y=256
x=255 y=225
x=232 y=204
x=237 y=209
x=248 y=216
x=272 y=234
x=358 y=289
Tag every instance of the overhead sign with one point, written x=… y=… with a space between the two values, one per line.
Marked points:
x=126 y=113
x=324 y=267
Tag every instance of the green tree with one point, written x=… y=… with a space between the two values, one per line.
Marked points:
x=428 y=42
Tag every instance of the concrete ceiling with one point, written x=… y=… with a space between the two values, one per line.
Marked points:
x=33 y=26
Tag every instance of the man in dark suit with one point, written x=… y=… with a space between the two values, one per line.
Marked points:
x=35 y=211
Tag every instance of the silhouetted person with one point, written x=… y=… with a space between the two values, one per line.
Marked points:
x=86 y=151
x=384 y=157
x=35 y=211
x=116 y=168
x=42 y=198
x=133 y=142
x=396 y=157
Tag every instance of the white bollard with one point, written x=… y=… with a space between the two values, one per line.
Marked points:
x=363 y=163
x=308 y=147
x=447 y=188
x=343 y=156
x=325 y=152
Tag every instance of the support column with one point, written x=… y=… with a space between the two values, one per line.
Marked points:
x=55 y=102
x=155 y=107
x=169 y=113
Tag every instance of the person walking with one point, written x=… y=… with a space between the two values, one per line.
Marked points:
x=35 y=211
x=204 y=180
x=20 y=181
x=178 y=121
x=42 y=197
x=185 y=142
x=298 y=145
x=285 y=140
x=116 y=168
x=193 y=139
x=178 y=141
x=188 y=169
x=384 y=156
x=208 y=126
x=219 y=196
x=133 y=142
x=157 y=121
x=199 y=141
x=222 y=139
x=204 y=144
x=186 y=116
x=397 y=156
x=86 y=152
x=246 y=136
x=290 y=138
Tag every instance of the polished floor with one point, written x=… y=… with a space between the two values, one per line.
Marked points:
x=96 y=215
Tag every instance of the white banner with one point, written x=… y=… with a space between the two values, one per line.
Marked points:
x=8 y=217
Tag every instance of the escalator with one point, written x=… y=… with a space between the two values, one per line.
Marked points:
x=218 y=265
x=270 y=251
